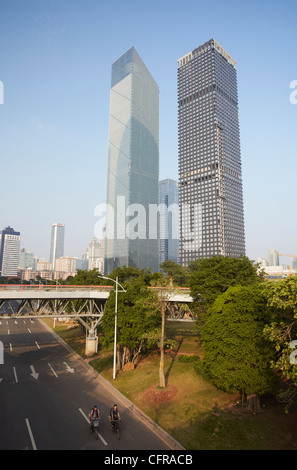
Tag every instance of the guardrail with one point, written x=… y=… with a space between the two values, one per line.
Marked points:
x=173 y=290
x=58 y=287
x=51 y=288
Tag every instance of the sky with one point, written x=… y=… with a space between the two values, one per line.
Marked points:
x=55 y=67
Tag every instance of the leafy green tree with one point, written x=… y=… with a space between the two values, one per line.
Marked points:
x=282 y=332
x=126 y=273
x=88 y=278
x=210 y=277
x=176 y=273
x=137 y=320
x=236 y=354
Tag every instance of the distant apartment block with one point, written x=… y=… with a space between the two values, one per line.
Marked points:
x=273 y=258
x=95 y=255
x=9 y=252
x=66 y=264
x=43 y=265
x=26 y=259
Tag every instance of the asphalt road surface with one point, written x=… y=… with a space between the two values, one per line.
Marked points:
x=46 y=393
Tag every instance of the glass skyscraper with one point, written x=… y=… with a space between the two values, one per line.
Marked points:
x=133 y=166
x=210 y=183
x=57 y=243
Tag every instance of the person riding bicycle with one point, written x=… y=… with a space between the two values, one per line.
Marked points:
x=94 y=414
x=114 y=415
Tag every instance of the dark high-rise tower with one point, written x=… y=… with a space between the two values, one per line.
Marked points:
x=210 y=184
x=133 y=166
x=9 y=252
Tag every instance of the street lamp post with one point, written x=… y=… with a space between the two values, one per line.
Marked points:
x=115 y=320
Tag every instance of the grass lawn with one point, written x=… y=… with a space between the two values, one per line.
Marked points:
x=192 y=410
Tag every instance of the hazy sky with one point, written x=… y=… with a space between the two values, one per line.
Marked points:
x=55 y=66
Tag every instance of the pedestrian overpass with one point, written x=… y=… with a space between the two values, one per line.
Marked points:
x=83 y=303
x=78 y=301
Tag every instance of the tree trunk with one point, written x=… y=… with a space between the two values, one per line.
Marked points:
x=161 y=371
x=253 y=403
x=119 y=356
x=123 y=356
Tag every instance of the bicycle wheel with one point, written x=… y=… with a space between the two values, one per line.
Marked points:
x=96 y=429
x=118 y=431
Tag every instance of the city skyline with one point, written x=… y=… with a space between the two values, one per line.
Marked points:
x=56 y=88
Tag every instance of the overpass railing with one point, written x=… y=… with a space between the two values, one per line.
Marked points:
x=52 y=288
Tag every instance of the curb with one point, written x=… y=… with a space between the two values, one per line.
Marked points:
x=137 y=412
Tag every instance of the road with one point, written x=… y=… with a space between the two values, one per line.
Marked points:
x=46 y=393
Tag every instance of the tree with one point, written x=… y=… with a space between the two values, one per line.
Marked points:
x=138 y=320
x=177 y=274
x=126 y=273
x=210 y=277
x=282 y=332
x=87 y=278
x=236 y=354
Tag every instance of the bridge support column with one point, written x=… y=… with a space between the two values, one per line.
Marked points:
x=91 y=337
x=91 y=343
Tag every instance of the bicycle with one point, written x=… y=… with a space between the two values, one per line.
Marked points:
x=96 y=427
x=115 y=426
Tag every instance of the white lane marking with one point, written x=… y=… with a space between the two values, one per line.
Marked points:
x=37 y=344
x=15 y=375
x=34 y=374
x=10 y=347
x=68 y=368
x=31 y=434
x=52 y=370
x=29 y=330
x=87 y=419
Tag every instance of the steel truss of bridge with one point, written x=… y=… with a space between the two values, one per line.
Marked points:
x=79 y=301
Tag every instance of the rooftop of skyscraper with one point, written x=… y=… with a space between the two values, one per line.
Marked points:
x=203 y=48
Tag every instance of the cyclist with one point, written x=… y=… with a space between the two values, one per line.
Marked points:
x=114 y=415
x=94 y=414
